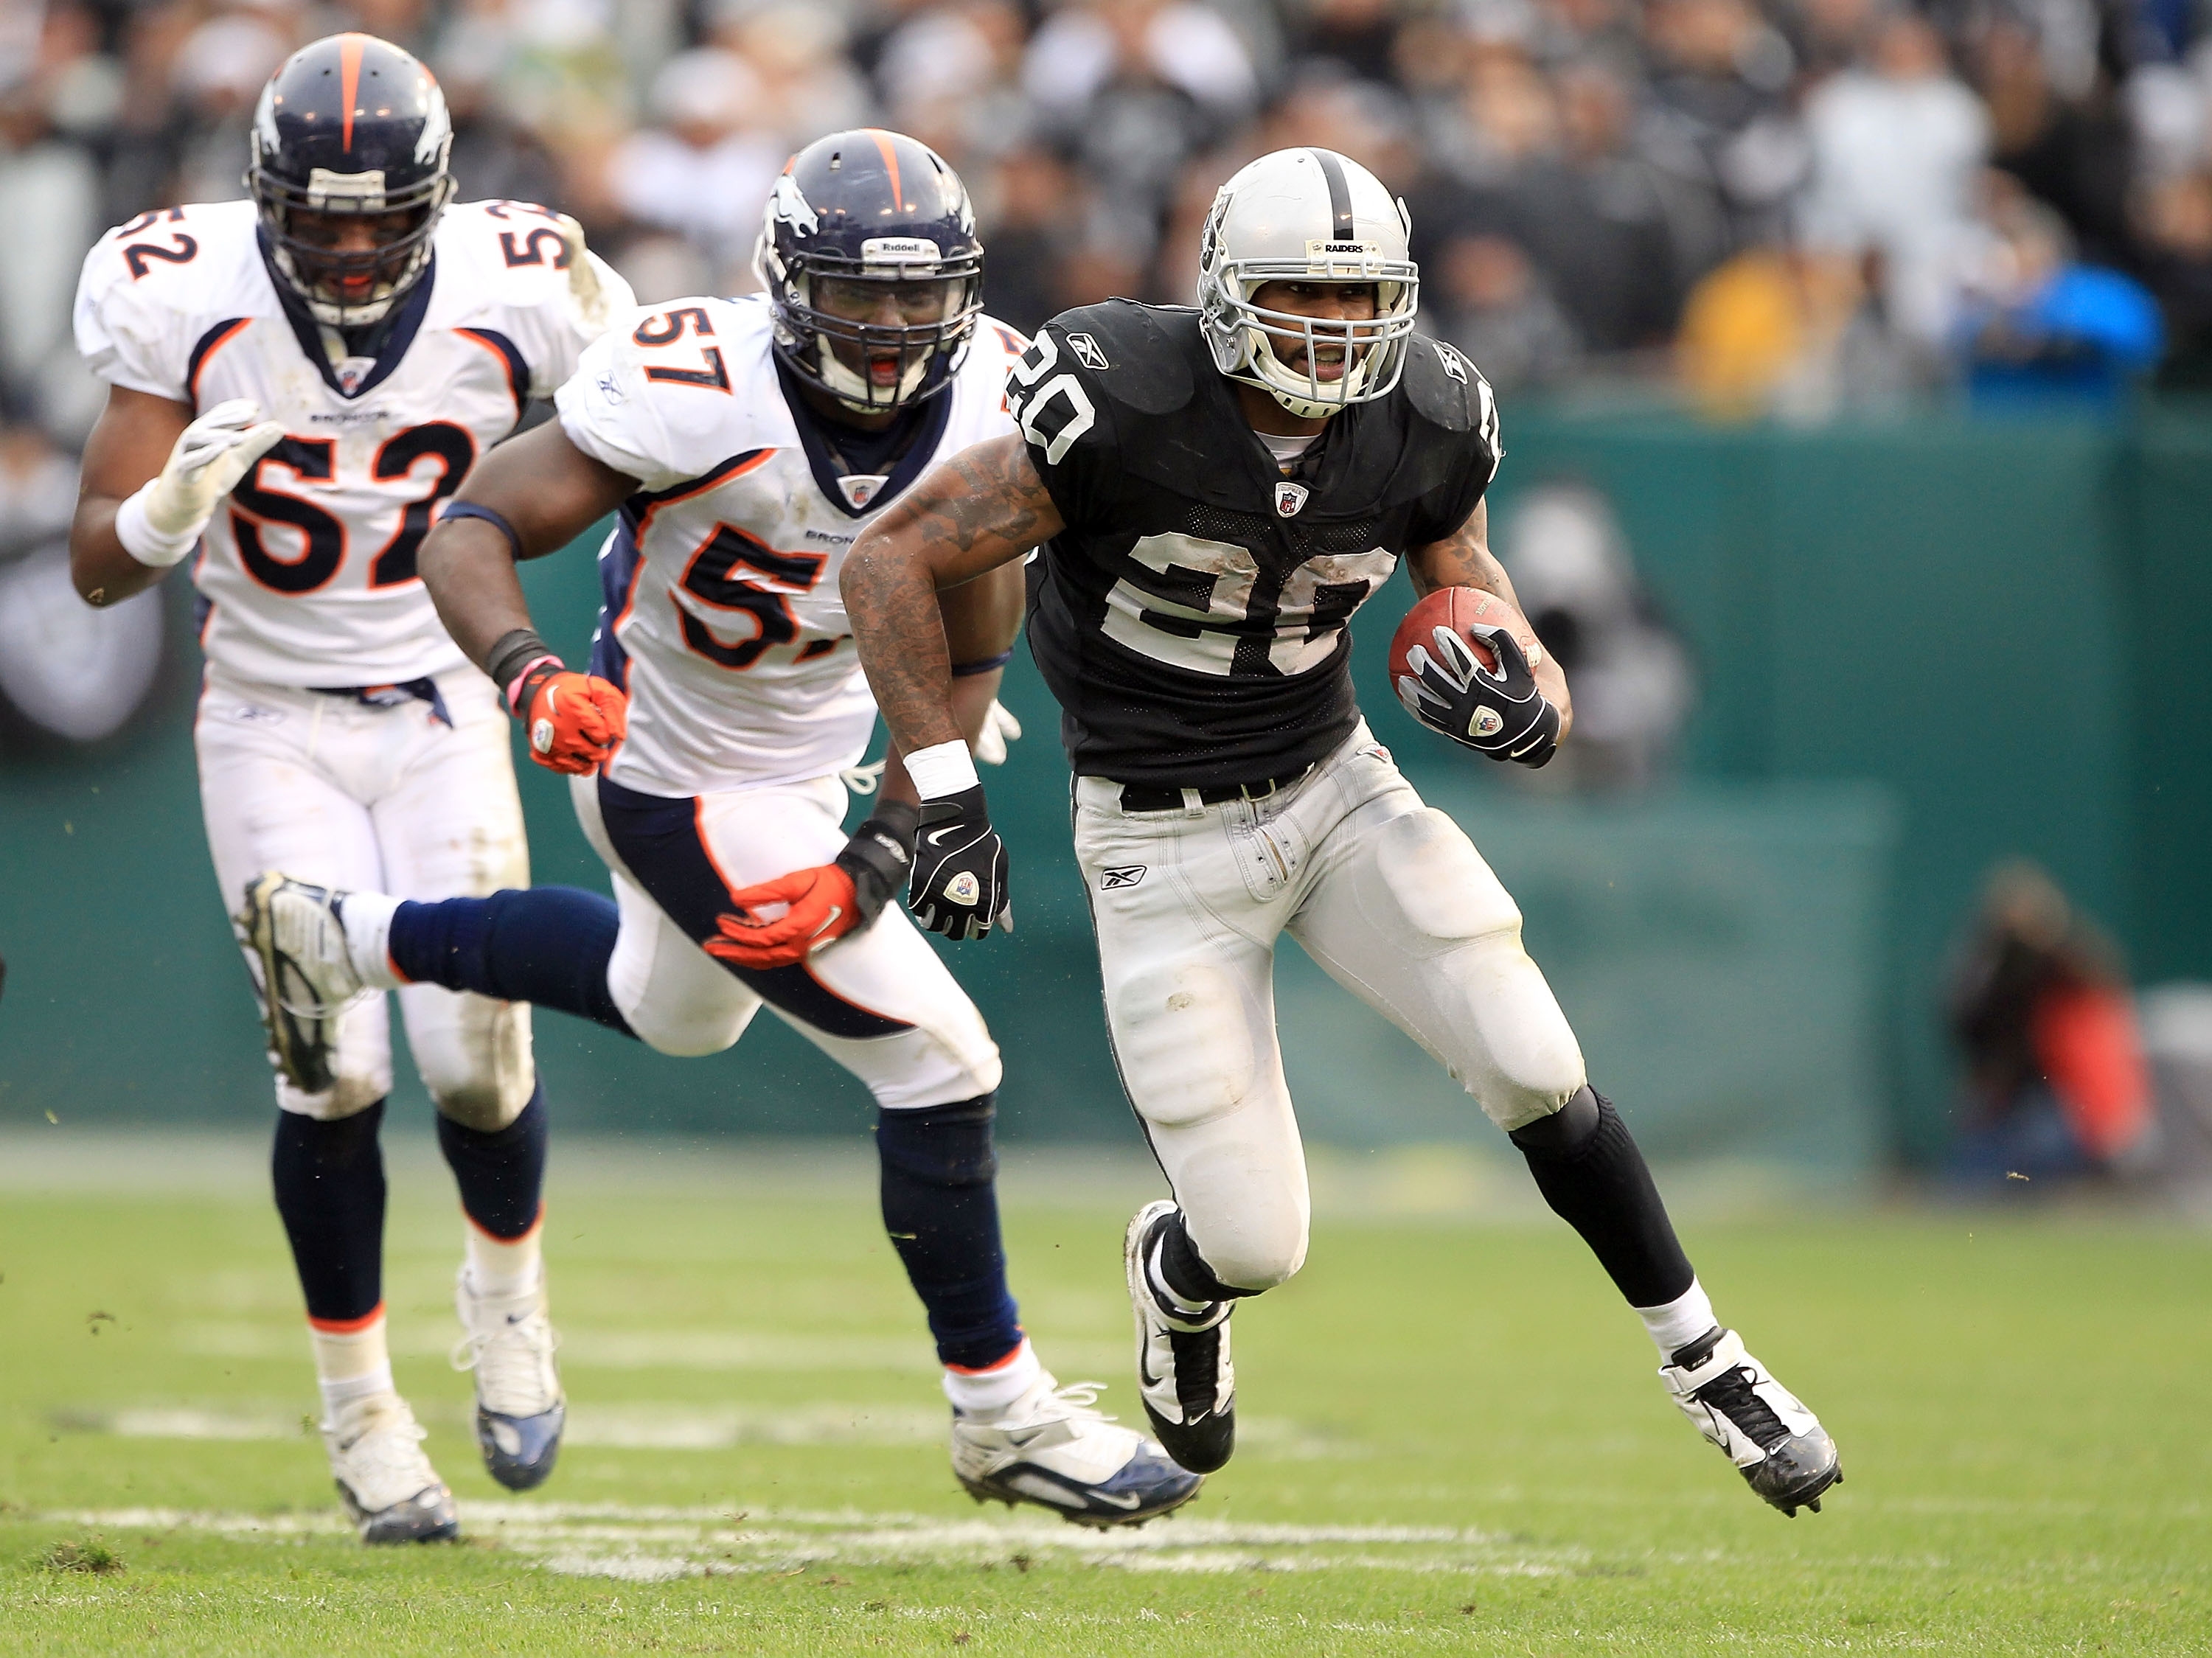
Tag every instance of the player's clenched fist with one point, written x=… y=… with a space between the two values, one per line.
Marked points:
x=825 y=902
x=1496 y=711
x=959 y=869
x=574 y=722
x=160 y=522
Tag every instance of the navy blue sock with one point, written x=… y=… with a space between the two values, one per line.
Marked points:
x=548 y=946
x=942 y=1212
x=502 y=1174
x=330 y=1192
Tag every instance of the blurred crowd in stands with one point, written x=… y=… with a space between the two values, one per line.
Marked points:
x=1790 y=206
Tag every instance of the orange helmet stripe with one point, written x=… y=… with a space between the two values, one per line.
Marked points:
x=890 y=165
x=350 y=50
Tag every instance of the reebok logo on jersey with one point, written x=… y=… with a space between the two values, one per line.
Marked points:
x=1453 y=366
x=1127 y=875
x=1086 y=351
x=1289 y=497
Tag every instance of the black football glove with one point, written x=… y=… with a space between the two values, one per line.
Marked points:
x=1499 y=712
x=959 y=869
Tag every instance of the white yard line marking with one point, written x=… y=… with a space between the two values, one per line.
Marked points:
x=658 y=1545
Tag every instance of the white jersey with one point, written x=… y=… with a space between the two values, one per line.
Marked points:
x=306 y=573
x=722 y=617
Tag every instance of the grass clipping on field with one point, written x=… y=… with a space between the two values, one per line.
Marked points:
x=91 y=1556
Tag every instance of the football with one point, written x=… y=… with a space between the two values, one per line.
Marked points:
x=1460 y=609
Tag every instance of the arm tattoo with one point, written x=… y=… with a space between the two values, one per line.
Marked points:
x=1460 y=560
x=982 y=509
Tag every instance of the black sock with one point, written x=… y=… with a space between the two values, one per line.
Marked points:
x=502 y=1174
x=941 y=1210
x=330 y=1192
x=548 y=946
x=1589 y=1170
x=1184 y=1269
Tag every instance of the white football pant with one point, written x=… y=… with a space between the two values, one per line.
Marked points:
x=681 y=1000
x=1393 y=901
x=381 y=800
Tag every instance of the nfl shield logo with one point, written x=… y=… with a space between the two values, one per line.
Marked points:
x=1289 y=497
x=860 y=488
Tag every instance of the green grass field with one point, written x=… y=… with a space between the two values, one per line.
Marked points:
x=1454 y=1438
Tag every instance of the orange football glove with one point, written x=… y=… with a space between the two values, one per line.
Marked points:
x=822 y=908
x=574 y=722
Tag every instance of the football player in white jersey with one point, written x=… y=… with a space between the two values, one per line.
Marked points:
x=298 y=382
x=746 y=443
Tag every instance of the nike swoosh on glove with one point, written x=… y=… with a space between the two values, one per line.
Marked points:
x=1497 y=712
x=574 y=722
x=959 y=869
x=162 y=521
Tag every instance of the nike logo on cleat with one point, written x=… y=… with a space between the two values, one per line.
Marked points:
x=1117 y=1499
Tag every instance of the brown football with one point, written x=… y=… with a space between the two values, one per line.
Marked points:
x=1460 y=609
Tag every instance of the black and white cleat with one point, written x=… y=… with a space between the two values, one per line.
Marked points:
x=1183 y=1371
x=1776 y=1443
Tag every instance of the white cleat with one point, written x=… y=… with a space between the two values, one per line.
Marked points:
x=520 y=1411
x=1052 y=1447
x=389 y=1488
x=1776 y=1444
x=307 y=979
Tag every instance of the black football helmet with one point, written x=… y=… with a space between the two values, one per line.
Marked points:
x=351 y=125
x=870 y=206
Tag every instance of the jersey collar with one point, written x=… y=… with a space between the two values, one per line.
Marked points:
x=397 y=333
x=911 y=465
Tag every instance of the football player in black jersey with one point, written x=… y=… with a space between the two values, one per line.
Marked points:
x=1215 y=490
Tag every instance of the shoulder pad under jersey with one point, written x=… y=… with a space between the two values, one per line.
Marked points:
x=153 y=286
x=672 y=391
x=1140 y=355
x=1445 y=389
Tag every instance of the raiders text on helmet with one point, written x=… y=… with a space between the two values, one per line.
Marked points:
x=1307 y=215
x=870 y=206
x=351 y=125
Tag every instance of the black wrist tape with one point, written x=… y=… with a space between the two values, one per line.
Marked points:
x=512 y=651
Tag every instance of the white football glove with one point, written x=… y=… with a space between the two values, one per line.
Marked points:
x=999 y=728
x=163 y=522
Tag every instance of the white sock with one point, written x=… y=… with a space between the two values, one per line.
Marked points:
x=351 y=1363
x=499 y=1268
x=367 y=917
x=988 y=1391
x=1680 y=1322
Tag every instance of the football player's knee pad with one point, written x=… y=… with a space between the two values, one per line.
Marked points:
x=1439 y=880
x=1182 y=1035
x=687 y=1032
x=474 y=1060
x=1263 y=1245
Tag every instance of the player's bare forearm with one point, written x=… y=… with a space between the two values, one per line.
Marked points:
x=550 y=492
x=979 y=511
x=972 y=697
x=1464 y=559
x=129 y=444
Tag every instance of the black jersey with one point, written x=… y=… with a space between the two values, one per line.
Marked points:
x=1191 y=616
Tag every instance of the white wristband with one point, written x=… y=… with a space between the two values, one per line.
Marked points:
x=942 y=770
x=143 y=541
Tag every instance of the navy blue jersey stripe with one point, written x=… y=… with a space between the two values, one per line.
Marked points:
x=619 y=564
x=518 y=371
